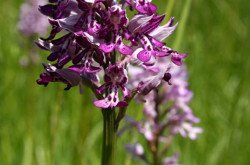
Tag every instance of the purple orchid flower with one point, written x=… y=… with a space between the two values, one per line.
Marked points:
x=115 y=78
x=54 y=74
x=150 y=36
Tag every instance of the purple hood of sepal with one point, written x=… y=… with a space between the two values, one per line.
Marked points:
x=52 y=74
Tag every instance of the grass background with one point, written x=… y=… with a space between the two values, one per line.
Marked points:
x=47 y=126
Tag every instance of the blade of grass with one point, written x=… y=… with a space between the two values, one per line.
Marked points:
x=169 y=9
x=182 y=25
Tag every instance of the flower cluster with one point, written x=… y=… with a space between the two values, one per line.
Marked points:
x=166 y=113
x=94 y=43
x=31 y=21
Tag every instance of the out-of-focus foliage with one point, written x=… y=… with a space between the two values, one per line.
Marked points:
x=49 y=126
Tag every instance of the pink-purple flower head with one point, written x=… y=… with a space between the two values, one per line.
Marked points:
x=95 y=40
x=166 y=109
x=115 y=78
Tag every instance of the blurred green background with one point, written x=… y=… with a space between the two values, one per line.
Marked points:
x=47 y=126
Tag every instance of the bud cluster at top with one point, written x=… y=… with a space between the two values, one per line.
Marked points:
x=94 y=43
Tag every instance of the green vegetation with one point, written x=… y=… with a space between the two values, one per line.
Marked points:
x=47 y=126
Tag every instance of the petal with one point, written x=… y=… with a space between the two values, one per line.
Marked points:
x=90 y=1
x=93 y=69
x=161 y=54
x=146 y=8
x=152 y=7
x=141 y=9
x=104 y=103
x=61 y=40
x=79 y=57
x=170 y=22
x=122 y=104
x=102 y=88
x=144 y=55
x=107 y=48
x=48 y=10
x=124 y=49
x=94 y=28
x=92 y=39
x=76 y=68
x=53 y=74
x=138 y=21
x=135 y=149
x=152 y=24
x=44 y=79
x=114 y=97
x=177 y=58
x=71 y=77
x=162 y=32
x=64 y=59
x=69 y=22
x=151 y=83
x=53 y=56
x=125 y=92
x=149 y=135
x=157 y=43
x=43 y=44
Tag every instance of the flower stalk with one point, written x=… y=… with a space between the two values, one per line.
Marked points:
x=109 y=137
x=156 y=160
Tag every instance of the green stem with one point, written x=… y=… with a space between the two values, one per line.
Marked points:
x=109 y=137
x=156 y=158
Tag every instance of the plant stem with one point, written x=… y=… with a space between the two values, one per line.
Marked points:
x=109 y=137
x=155 y=160
x=155 y=152
x=156 y=156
